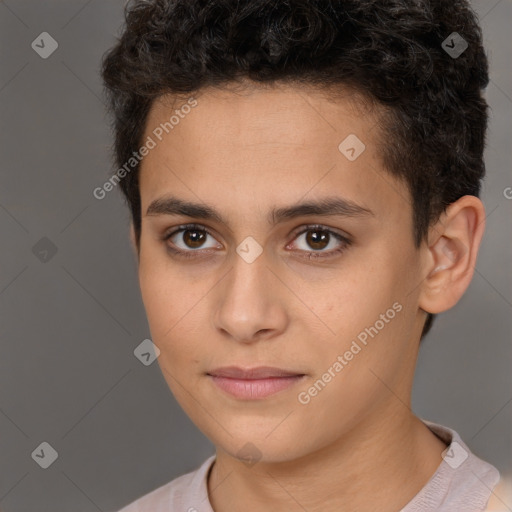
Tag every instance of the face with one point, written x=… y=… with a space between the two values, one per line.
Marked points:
x=327 y=293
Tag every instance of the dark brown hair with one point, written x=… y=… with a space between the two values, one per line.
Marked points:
x=391 y=51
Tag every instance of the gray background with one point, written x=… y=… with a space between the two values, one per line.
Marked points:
x=69 y=325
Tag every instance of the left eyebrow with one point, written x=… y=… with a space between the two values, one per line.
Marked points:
x=328 y=206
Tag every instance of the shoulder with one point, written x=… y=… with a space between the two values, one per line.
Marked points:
x=501 y=497
x=187 y=493
x=462 y=482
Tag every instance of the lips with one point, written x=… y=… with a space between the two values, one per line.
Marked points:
x=253 y=383
x=261 y=372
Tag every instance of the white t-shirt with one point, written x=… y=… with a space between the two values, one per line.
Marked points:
x=461 y=483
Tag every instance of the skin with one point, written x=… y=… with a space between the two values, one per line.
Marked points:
x=357 y=442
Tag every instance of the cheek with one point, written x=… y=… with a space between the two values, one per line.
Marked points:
x=352 y=305
x=174 y=310
x=162 y=295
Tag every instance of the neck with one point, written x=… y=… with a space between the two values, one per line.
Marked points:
x=384 y=462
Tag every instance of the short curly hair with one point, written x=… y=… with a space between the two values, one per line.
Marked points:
x=391 y=51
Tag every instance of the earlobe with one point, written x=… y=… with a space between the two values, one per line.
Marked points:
x=452 y=250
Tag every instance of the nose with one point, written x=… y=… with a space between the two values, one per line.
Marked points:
x=249 y=303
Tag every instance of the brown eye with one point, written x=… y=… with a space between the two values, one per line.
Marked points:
x=317 y=239
x=194 y=238
x=190 y=240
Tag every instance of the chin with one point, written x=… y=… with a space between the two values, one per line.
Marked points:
x=265 y=444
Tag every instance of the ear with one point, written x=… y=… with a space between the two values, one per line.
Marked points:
x=133 y=241
x=451 y=253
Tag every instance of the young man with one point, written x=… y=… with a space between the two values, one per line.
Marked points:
x=303 y=180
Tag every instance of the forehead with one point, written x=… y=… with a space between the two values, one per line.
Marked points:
x=296 y=113
x=262 y=143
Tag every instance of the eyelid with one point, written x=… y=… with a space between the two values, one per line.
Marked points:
x=344 y=242
x=321 y=227
x=184 y=227
x=187 y=227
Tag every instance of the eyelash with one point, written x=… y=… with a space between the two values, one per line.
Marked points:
x=311 y=255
